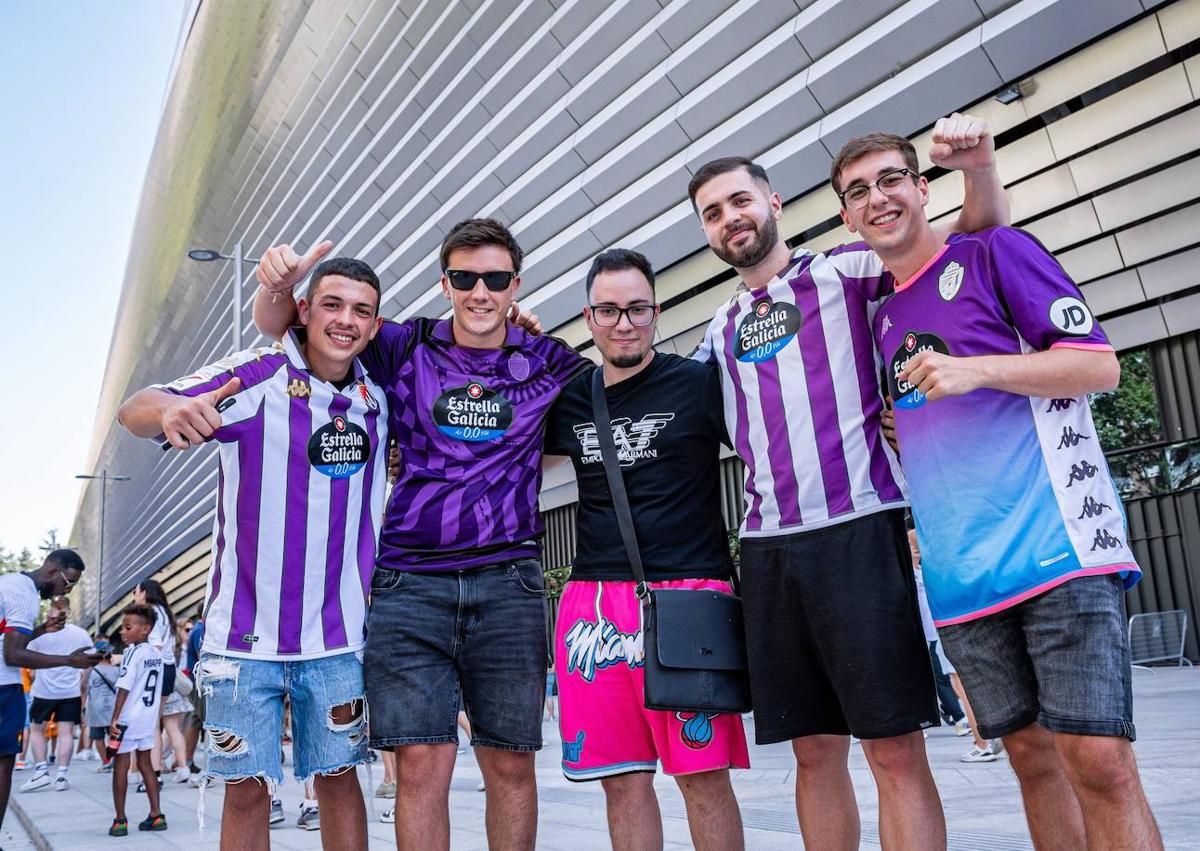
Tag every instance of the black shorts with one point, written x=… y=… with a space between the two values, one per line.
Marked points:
x=65 y=710
x=97 y=734
x=834 y=633
x=12 y=717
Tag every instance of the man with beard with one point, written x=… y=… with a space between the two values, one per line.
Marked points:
x=668 y=429
x=833 y=631
x=20 y=594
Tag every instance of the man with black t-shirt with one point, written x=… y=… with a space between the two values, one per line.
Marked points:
x=668 y=427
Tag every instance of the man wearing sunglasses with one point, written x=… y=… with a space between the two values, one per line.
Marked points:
x=668 y=429
x=457 y=598
x=834 y=637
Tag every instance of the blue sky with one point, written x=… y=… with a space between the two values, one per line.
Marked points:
x=81 y=89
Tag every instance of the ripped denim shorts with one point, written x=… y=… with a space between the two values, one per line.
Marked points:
x=244 y=720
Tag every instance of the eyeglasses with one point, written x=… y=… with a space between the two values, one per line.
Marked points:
x=609 y=315
x=497 y=282
x=857 y=196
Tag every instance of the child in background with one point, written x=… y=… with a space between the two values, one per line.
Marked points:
x=134 y=724
x=101 y=696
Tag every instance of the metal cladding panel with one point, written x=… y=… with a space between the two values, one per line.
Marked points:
x=379 y=124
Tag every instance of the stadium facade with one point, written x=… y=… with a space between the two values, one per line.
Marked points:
x=379 y=123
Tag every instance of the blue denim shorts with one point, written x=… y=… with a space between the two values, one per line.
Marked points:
x=478 y=635
x=244 y=722
x=1060 y=659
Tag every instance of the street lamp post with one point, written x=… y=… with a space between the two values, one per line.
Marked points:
x=104 y=478
x=207 y=255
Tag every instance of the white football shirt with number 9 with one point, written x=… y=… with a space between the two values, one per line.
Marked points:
x=141 y=675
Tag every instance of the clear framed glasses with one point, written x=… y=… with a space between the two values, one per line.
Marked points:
x=609 y=315
x=858 y=195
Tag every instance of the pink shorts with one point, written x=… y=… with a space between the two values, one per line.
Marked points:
x=606 y=728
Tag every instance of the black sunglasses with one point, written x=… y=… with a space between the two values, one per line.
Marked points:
x=497 y=282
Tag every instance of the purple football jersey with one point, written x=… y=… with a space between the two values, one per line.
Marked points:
x=1011 y=494
x=470 y=425
x=802 y=396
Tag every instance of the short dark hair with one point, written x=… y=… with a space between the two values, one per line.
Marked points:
x=724 y=165
x=476 y=232
x=346 y=267
x=860 y=146
x=65 y=559
x=616 y=259
x=140 y=610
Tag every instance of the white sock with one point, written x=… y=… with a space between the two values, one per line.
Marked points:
x=62 y=770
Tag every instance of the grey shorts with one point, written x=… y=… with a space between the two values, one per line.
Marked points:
x=1060 y=659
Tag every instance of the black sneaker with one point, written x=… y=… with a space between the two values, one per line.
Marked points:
x=158 y=822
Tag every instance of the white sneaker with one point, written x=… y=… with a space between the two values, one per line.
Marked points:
x=310 y=818
x=961 y=727
x=388 y=816
x=61 y=784
x=181 y=775
x=38 y=781
x=978 y=754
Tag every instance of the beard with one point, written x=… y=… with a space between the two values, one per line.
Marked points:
x=627 y=361
x=756 y=250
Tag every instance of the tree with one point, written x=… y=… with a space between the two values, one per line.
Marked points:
x=1129 y=416
x=50 y=542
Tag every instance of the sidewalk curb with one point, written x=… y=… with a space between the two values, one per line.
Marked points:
x=35 y=836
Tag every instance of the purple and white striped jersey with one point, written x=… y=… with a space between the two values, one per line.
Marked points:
x=303 y=469
x=801 y=383
x=470 y=425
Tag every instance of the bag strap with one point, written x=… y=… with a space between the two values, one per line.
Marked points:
x=112 y=686
x=616 y=484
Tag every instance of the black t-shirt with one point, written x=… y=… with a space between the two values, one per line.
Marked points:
x=668 y=426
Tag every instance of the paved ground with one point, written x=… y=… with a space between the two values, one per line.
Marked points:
x=982 y=805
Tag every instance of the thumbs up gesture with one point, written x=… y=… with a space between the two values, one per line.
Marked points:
x=281 y=268
x=190 y=421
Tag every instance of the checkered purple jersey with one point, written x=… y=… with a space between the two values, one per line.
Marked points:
x=470 y=425
x=1011 y=494
x=300 y=493
x=801 y=385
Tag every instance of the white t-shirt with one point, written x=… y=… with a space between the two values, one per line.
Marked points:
x=141 y=676
x=62 y=682
x=162 y=636
x=19 y=603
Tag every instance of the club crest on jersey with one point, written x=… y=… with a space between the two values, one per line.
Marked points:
x=339 y=448
x=768 y=328
x=472 y=413
x=950 y=281
x=366 y=395
x=1071 y=316
x=906 y=395
x=518 y=366
x=298 y=389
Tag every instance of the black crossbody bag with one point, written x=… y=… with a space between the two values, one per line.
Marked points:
x=693 y=640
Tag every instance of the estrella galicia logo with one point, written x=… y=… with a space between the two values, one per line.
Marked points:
x=472 y=413
x=906 y=395
x=768 y=328
x=339 y=448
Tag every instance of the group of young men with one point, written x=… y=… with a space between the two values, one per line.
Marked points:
x=988 y=352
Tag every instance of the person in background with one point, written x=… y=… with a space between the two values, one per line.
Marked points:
x=194 y=730
x=99 y=695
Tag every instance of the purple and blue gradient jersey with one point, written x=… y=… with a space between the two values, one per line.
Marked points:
x=1011 y=494
x=470 y=425
x=300 y=494
x=802 y=399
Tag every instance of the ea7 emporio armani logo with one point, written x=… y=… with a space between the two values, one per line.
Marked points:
x=633 y=439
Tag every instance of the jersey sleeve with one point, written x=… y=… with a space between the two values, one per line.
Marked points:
x=563 y=362
x=128 y=668
x=861 y=269
x=20 y=609
x=704 y=351
x=391 y=347
x=1043 y=303
x=252 y=366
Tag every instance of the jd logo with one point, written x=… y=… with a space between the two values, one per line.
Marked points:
x=1071 y=316
x=904 y=394
x=769 y=327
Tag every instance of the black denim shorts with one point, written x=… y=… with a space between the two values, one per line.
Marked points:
x=1060 y=659
x=434 y=638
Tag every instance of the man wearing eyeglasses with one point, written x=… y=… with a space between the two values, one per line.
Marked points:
x=668 y=429
x=457 y=597
x=1025 y=549
x=834 y=637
